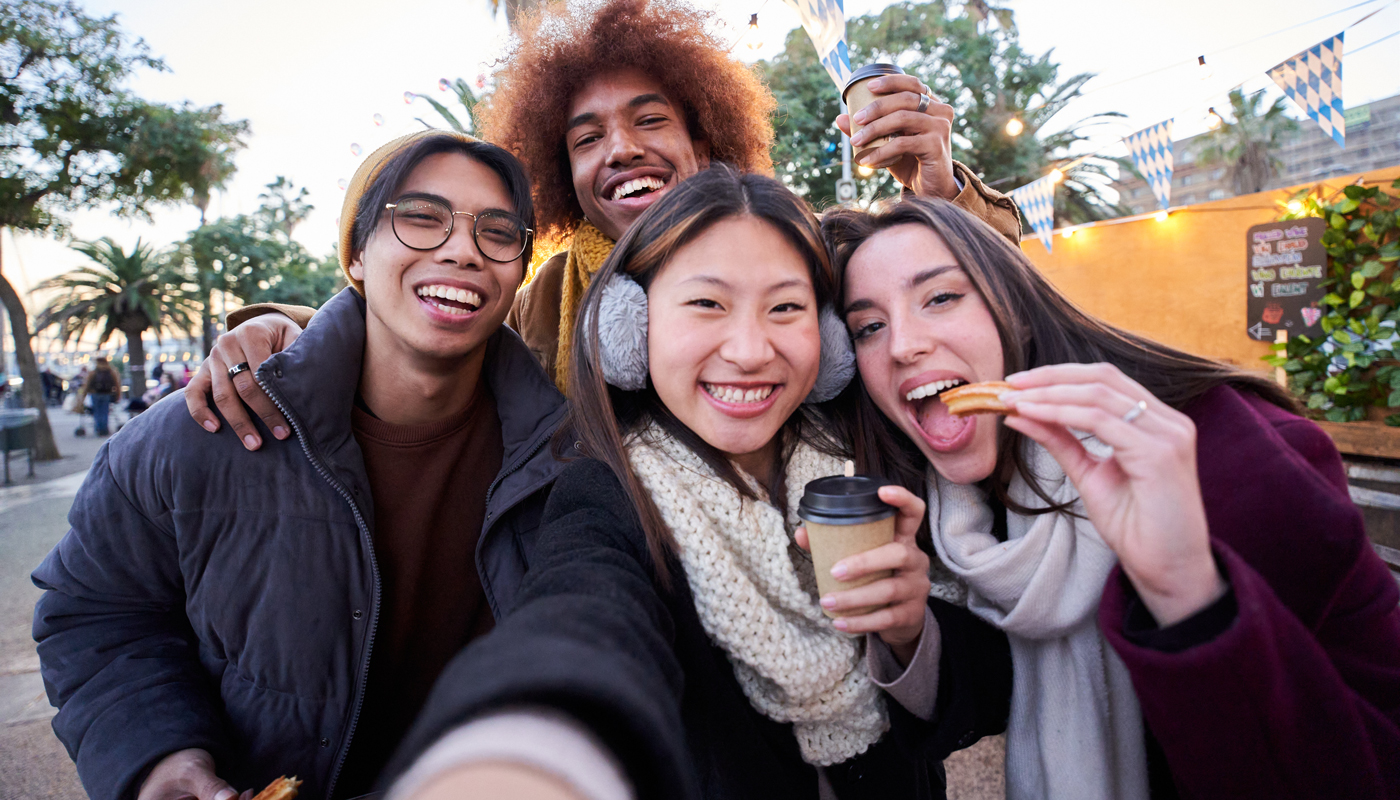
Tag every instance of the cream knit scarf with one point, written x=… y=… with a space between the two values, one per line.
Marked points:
x=1075 y=729
x=755 y=594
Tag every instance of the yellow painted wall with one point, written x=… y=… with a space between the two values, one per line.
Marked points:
x=1180 y=281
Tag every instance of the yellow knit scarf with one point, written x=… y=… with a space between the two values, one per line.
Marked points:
x=590 y=248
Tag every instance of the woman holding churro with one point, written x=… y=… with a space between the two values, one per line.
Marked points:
x=1192 y=603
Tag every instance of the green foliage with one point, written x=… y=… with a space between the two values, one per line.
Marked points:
x=120 y=291
x=72 y=136
x=468 y=100
x=1353 y=365
x=254 y=258
x=1247 y=141
x=976 y=67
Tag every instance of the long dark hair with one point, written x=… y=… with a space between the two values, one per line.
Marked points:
x=1037 y=325
x=601 y=416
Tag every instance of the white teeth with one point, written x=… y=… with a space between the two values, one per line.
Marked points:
x=930 y=389
x=456 y=295
x=636 y=185
x=732 y=394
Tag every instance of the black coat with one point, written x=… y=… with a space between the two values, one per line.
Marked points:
x=595 y=637
x=211 y=597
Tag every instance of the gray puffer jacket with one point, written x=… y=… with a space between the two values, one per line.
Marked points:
x=211 y=597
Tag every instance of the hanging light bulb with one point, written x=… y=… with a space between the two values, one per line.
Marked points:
x=755 y=41
x=408 y=97
x=1294 y=206
x=864 y=171
x=1056 y=176
x=1014 y=127
x=378 y=119
x=1161 y=216
x=1203 y=70
x=1213 y=119
x=1066 y=233
x=443 y=84
x=355 y=150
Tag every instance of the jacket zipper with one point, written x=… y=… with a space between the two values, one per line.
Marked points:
x=374 y=569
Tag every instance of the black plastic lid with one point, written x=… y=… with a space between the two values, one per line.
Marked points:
x=869 y=71
x=839 y=500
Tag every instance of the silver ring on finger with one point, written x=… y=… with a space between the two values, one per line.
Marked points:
x=924 y=100
x=238 y=368
x=1135 y=412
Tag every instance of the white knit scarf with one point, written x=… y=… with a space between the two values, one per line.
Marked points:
x=1075 y=729
x=755 y=593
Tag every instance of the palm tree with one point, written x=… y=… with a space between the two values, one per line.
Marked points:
x=1247 y=143
x=127 y=292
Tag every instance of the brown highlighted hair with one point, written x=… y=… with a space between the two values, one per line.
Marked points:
x=566 y=44
x=603 y=417
x=1037 y=326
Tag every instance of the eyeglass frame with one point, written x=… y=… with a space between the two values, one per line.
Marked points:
x=393 y=209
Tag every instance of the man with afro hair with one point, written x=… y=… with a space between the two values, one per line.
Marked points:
x=611 y=104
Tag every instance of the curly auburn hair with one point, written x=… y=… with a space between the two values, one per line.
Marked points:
x=566 y=44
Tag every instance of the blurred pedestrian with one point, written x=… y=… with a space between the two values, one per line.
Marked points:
x=104 y=386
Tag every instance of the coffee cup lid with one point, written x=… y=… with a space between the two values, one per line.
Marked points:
x=869 y=71
x=839 y=500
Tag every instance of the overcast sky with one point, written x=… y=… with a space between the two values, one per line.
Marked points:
x=311 y=76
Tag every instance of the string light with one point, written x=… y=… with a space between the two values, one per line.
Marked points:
x=1066 y=233
x=865 y=172
x=1161 y=216
x=1014 y=127
x=755 y=41
x=1056 y=176
x=1203 y=70
x=1213 y=119
x=1294 y=206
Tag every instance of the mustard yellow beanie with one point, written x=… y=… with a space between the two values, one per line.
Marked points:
x=368 y=170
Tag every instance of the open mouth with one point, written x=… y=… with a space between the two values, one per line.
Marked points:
x=942 y=430
x=450 y=299
x=739 y=395
x=637 y=187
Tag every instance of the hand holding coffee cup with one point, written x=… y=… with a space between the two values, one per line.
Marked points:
x=895 y=122
x=871 y=575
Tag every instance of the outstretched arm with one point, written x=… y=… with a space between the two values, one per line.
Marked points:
x=590 y=638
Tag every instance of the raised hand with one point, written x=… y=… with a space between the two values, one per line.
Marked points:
x=902 y=597
x=1145 y=498
x=251 y=343
x=920 y=156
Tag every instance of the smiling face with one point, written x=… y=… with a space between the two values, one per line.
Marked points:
x=921 y=327
x=628 y=144
x=438 y=304
x=732 y=336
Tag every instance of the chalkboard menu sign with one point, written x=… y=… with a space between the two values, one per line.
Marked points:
x=1286 y=264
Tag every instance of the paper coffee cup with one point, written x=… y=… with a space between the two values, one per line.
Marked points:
x=857 y=95
x=845 y=516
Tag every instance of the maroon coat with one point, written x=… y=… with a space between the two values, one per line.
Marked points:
x=1300 y=696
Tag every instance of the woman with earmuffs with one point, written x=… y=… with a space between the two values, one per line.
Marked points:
x=669 y=642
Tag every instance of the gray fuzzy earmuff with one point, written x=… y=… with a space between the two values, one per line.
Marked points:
x=622 y=341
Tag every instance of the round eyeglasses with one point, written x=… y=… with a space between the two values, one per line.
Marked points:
x=424 y=224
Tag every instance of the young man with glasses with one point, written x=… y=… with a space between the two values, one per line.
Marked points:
x=217 y=618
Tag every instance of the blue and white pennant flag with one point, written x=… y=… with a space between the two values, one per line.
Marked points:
x=1313 y=80
x=1151 y=149
x=1037 y=202
x=825 y=23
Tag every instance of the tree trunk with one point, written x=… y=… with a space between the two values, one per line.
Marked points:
x=209 y=332
x=136 y=363
x=33 y=388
